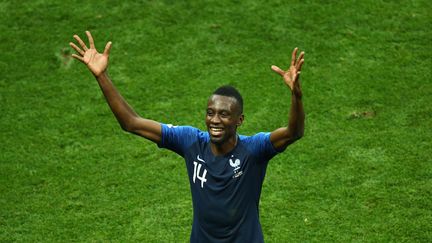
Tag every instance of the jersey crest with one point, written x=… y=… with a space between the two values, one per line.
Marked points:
x=236 y=165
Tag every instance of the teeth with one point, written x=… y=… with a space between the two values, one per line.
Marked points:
x=216 y=129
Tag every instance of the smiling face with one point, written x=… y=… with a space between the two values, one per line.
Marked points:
x=223 y=116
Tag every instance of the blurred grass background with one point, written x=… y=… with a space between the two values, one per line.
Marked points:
x=362 y=173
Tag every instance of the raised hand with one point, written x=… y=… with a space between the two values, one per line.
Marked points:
x=291 y=76
x=95 y=61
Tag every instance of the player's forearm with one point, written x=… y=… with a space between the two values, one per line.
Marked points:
x=284 y=136
x=122 y=110
x=296 y=116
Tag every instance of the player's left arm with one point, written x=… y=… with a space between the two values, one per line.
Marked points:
x=284 y=136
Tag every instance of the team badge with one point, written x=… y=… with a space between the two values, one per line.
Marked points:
x=235 y=163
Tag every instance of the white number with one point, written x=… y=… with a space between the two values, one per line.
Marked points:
x=197 y=172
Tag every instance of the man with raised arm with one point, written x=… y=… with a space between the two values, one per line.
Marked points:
x=225 y=170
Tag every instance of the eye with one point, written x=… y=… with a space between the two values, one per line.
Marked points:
x=209 y=113
x=225 y=114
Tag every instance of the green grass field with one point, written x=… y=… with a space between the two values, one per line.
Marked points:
x=361 y=173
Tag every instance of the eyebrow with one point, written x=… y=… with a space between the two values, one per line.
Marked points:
x=220 y=111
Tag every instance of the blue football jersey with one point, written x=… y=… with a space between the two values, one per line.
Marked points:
x=225 y=189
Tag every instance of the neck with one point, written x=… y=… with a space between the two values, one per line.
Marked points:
x=224 y=148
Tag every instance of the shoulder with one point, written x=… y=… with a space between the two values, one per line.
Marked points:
x=256 y=138
x=180 y=138
x=184 y=131
x=259 y=144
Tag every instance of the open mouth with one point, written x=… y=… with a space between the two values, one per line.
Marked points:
x=216 y=131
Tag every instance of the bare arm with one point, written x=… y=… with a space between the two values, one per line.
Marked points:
x=284 y=136
x=97 y=63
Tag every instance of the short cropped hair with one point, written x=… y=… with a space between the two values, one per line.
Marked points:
x=230 y=91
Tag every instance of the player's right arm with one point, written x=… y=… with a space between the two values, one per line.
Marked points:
x=129 y=120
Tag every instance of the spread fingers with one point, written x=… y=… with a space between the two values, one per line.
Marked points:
x=76 y=48
x=84 y=47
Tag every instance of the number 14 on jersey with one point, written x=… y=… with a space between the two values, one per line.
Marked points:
x=197 y=169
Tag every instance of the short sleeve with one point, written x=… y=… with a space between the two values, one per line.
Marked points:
x=262 y=146
x=177 y=138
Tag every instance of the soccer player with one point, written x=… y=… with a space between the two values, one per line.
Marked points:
x=225 y=170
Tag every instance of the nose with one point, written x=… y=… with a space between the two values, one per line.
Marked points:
x=215 y=119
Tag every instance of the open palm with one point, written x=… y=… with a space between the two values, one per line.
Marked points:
x=95 y=61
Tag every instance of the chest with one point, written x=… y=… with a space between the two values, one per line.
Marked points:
x=220 y=173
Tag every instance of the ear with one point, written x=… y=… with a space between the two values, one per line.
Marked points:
x=240 y=120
